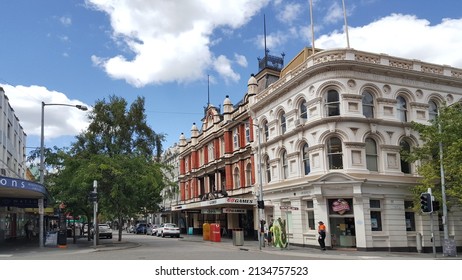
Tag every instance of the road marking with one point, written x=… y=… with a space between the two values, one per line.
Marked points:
x=5 y=256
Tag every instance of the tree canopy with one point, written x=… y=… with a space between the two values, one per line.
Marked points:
x=445 y=130
x=120 y=151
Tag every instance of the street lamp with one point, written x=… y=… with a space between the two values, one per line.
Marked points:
x=260 y=203
x=42 y=151
x=260 y=182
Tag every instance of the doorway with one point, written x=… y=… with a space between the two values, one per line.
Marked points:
x=343 y=234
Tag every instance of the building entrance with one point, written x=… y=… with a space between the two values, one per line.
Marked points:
x=342 y=232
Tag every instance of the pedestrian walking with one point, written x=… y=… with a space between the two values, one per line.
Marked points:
x=322 y=235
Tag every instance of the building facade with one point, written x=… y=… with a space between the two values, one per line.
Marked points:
x=217 y=172
x=170 y=194
x=18 y=196
x=333 y=126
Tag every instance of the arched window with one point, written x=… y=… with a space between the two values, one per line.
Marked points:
x=332 y=103
x=368 y=104
x=236 y=138
x=306 y=159
x=303 y=110
x=247 y=132
x=334 y=153
x=268 y=169
x=405 y=150
x=371 y=155
x=402 y=108
x=248 y=175
x=432 y=110
x=237 y=178
x=211 y=152
x=265 y=130
x=186 y=191
x=282 y=120
x=285 y=165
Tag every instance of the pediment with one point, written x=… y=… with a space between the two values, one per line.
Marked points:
x=337 y=177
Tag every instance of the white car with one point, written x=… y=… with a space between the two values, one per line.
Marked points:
x=104 y=230
x=168 y=229
x=152 y=229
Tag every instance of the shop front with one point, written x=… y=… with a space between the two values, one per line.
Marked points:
x=230 y=213
x=342 y=223
x=20 y=207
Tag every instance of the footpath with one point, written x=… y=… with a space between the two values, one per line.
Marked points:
x=21 y=246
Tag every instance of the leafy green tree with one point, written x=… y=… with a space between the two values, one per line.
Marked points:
x=117 y=150
x=445 y=129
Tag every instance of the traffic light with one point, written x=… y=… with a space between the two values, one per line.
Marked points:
x=435 y=205
x=426 y=203
x=93 y=197
x=261 y=204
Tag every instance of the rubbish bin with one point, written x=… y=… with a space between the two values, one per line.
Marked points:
x=215 y=233
x=62 y=238
x=190 y=231
x=238 y=237
x=206 y=231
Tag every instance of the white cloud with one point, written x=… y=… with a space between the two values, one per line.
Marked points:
x=241 y=60
x=290 y=13
x=404 y=36
x=167 y=47
x=223 y=66
x=58 y=120
x=66 y=21
x=334 y=13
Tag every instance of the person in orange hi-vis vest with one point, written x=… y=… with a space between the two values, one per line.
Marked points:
x=322 y=235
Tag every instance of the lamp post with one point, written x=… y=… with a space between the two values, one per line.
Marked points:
x=42 y=159
x=260 y=203
x=443 y=187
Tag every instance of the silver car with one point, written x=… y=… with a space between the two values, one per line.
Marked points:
x=104 y=230
x=152 y=229
x=168 y=229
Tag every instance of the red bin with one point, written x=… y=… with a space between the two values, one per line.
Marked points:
x=215 y=233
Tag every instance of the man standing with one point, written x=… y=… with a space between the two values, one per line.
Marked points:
x=322 y=235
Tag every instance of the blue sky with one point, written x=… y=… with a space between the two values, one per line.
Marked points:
x=80 y=51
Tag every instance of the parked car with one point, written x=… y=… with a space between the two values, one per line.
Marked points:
x=104 y=230
x=130 y=229
x=141 y=228
x=152 y=229
x=168 y=229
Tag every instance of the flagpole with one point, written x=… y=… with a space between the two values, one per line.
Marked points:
x=346 y=24
x=312 y=27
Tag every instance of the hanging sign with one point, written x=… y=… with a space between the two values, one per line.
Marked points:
x=211 y=211
x=234 y=210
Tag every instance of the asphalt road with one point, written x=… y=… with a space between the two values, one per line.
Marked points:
x=147 y=247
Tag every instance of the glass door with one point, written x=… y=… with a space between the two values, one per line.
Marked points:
x=342 y=232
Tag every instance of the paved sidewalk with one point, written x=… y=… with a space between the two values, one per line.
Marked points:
x=22 y=245
x=338 y=254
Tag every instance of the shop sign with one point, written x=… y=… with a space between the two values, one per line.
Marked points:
x=211 y=211
x=19 y=202
x=288 y=208
x=239 y=200
x=340 y=206
x=234 y=210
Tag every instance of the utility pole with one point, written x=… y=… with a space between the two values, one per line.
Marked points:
x=95 y=214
